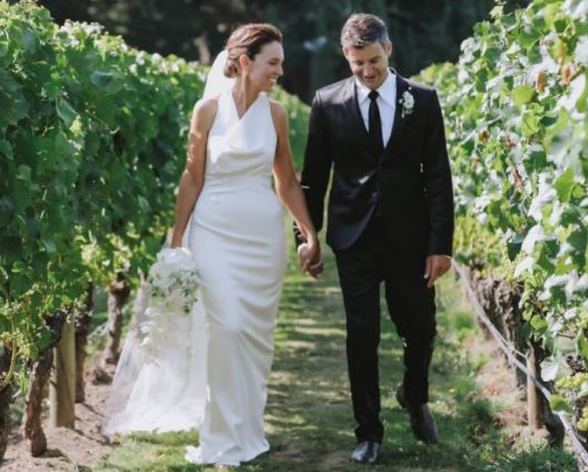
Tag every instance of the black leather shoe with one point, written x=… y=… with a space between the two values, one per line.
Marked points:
x=422 y=422
x=366 y=452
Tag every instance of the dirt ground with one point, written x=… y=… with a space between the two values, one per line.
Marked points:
x=82 y=448
x=497 y=382
x=68 y=450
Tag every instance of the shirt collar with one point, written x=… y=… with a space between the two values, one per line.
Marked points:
x=387 y=90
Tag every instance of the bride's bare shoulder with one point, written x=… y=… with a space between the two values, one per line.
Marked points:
x=277 y=108
x=207 y=105
x=205 y=110
x=279 y=113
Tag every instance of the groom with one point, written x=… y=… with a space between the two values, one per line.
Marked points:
x=390 y=218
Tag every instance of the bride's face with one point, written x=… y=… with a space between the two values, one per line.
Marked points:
x=266 y=67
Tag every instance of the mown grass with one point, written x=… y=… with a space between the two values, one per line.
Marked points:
x=308 y=416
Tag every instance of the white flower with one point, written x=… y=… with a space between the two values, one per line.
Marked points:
x=173 y=282
x=407 y=102
x=73 y=42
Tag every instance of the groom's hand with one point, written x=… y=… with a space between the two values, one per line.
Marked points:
x=309 y=259
x=435 y=267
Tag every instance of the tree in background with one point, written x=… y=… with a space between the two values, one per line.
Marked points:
x=423 y=32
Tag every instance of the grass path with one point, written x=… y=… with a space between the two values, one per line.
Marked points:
x=308 y=417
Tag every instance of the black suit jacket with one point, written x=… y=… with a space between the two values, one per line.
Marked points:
x=410 y=180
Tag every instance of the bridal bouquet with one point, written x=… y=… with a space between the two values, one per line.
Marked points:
x=173 y=282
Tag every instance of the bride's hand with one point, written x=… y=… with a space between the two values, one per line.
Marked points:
x=309 y=258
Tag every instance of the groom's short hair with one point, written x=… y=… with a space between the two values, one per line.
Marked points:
x=362 y=29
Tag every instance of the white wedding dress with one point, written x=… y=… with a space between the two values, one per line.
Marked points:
x=213 y=374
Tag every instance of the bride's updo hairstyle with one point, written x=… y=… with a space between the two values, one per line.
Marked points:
x=248 y=39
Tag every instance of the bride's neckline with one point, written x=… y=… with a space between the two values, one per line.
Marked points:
x=236 y=110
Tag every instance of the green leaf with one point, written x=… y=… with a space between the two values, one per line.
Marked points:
x=19 y=284
x=108 y=82
x=544 y=260
x=12 y=101
x=66 y=112
x=527 y=40
x=578 y=238
x=564 y=185
x=24 y=173
x=144 y=204
x=100 y=78
x=44 y=338
x=579 y=192
x=523 y=95
x=547 y=121
x=49 y=244
x=6 y=149
x=6 y=209
x=559 y=51
x=539 y=324
x=106 y=111
x=582 y=345
x=559 y=404
x=581 y=104
x=493 y=54
x=530 y=123
x=4 y=47
x=10 y=246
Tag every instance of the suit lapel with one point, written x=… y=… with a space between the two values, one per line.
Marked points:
x=399 y=120
x=355 y=118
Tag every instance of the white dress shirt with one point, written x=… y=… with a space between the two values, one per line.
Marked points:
x=386 y=103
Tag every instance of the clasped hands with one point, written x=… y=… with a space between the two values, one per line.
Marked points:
x=309 y=258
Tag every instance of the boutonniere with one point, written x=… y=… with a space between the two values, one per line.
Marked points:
x=407 y=102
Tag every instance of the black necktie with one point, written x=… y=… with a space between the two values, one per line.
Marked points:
x=374 y=122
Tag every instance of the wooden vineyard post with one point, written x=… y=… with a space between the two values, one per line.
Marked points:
x=533 y=399
x=83 y=318
x=63 y=379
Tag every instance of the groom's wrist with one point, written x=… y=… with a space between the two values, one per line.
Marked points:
x=298 y=236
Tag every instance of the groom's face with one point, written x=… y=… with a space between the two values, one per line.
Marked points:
x=370 y=63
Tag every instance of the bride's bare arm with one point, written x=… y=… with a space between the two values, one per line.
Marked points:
x=287 y=186
x=192 y=178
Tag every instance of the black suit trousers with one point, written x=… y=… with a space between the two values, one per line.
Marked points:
x=411 y=305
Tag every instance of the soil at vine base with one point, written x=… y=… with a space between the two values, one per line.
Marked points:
x=83 y=447
x=68 y=449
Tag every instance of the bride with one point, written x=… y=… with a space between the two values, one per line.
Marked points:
x=212 y=371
